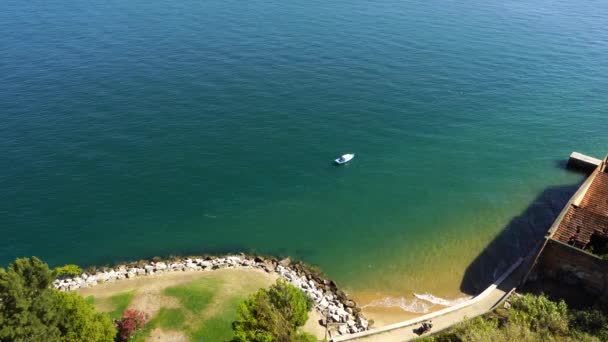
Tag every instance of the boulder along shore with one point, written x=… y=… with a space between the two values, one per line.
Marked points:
x=334 y=305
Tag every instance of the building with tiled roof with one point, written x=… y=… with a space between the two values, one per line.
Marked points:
x=586 y=214
x=566 y=257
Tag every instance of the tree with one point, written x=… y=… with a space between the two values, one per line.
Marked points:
x=273 y=314
x=291 y=302
x=30 y=310
x=80 y=322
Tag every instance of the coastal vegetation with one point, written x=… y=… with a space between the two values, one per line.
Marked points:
x=530 y=318
x=31 y=310
x=243 y=299
x=69 y=270
x=273 y=314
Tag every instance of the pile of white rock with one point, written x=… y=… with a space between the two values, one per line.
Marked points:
x=338 y=310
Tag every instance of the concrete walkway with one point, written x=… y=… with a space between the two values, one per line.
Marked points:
x=442 y=319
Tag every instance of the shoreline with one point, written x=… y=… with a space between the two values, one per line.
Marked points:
x=334 y=305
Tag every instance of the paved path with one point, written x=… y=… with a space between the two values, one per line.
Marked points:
x=445 y=318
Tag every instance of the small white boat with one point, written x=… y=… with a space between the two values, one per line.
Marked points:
x=345 y=158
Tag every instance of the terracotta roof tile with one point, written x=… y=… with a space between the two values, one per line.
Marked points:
x=579 y=223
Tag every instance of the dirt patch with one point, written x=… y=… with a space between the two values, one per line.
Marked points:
x=151 y=301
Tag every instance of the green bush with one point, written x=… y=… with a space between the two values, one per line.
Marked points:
x=530 y=319
x=31 y=310
x=592 y=321
x=273 y=315
x=70 y=270
x=539 y=314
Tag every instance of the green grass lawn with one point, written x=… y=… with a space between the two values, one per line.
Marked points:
x=219 y=327
x=207 y=308
x=202 y=309
x=118 y=302
x=197 y=295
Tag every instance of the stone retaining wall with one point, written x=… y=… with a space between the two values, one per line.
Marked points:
x=332 y=303
x=573 y=267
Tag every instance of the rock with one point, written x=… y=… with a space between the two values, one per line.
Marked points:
x=149 y=269
x=363 y=323
x=102 y=277
x=323 y=322
x=323 y=304
x=269 y=267
x=285 y=262
x=343 y=314
x=160 y=266
x=234 y=259
x=342 y=329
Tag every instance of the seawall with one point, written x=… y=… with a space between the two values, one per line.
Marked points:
x=337 y=308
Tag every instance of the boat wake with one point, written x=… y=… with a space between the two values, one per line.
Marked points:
x=421 y=304
x=441 y=301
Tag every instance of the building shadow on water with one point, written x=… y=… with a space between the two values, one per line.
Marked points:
x=521 y=235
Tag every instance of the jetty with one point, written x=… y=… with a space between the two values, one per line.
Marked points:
x=579 y=161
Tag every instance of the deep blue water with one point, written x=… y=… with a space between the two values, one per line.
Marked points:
x=130 y=129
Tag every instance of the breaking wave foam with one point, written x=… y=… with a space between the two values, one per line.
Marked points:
x=420 y=304
x=414 y=305
x=441 y=301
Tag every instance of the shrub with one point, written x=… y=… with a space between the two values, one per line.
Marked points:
x=591 y=321
x=131 y=322
x=273 y=315
x=540 y=314
x=70 y=270
x=530 y=319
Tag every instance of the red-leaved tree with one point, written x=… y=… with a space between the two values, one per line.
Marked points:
x=130 y=323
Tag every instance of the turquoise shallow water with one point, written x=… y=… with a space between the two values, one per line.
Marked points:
x=138 y=128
